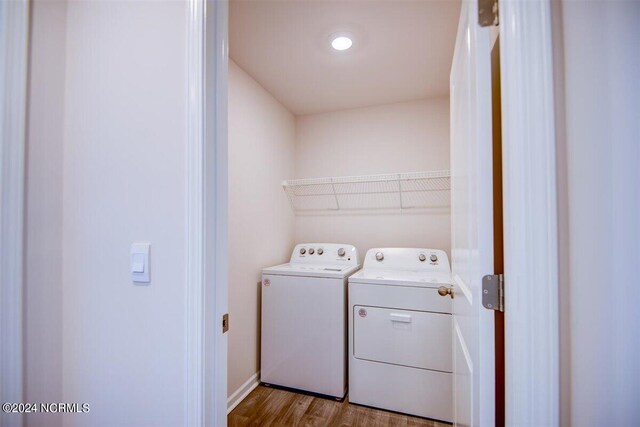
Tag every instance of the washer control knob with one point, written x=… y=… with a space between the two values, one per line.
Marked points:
x=303 y=251
x=341 y=252
x=379 y=256
x=320 y=251
x=433 y=258
x=422 y=257
x=311 y=251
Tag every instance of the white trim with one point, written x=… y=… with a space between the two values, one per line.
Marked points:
x=463 y=345
x=466 y=291
x=530 y=214
x=194 y=410
x=216 y=209
x=242 y=392
x=14 y=35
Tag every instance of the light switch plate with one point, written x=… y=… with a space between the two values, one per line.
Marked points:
x=139 y=262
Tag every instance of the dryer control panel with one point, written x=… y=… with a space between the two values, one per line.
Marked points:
x=325 y=253
x=407 y=259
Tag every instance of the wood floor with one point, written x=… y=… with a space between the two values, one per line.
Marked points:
x=267 y=406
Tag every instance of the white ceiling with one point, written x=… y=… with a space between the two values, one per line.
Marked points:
x=402 y=50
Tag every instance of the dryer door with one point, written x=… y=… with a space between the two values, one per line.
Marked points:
x=403 y=337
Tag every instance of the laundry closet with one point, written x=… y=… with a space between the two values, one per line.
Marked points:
x=325 y=145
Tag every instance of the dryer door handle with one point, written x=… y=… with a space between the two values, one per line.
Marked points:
x=397 y=317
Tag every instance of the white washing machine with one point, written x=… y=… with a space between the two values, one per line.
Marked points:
x=304 y=319
x=400 y=333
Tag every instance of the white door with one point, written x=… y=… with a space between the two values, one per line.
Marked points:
x=471 y=221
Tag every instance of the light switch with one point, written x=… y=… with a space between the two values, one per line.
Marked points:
x=140 y=262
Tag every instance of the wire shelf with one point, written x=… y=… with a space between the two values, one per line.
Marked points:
x=388 y=191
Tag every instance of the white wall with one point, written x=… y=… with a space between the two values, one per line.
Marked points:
x=43 y=210
x=403 y=137
x=261 y=156
x=124 y=181
x=600 y=209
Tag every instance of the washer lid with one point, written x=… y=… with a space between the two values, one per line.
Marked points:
x=401 y=278
x=330 y=271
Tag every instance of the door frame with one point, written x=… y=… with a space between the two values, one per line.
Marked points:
x=216 y=207
x=530 y=214
x=529 y=167
x=206 y=214
x=194 y=409
x=14 y=24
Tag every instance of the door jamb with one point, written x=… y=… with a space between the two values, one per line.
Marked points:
x=206 y=214
x=530 y=214
x=194 y=404
x=14 y=25
x=498 y=246
x=216 y=205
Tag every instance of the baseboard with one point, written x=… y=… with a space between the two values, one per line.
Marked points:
x=242 y=392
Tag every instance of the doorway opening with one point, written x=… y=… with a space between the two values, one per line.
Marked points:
x=333 y=108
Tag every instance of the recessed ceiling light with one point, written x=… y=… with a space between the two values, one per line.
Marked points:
x=341 y=43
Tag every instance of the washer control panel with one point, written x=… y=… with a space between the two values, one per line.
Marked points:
x=325 y=253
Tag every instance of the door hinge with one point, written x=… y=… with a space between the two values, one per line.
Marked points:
x=493 y=292
x=225 y=322
x=488 y=13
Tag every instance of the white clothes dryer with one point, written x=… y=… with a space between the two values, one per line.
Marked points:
x=400 y=326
